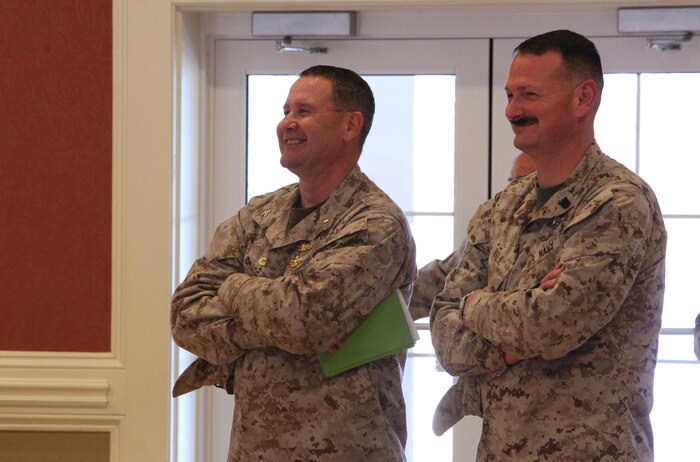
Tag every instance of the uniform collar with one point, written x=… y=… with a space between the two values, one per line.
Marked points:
x=573 y=187
x=273 y=217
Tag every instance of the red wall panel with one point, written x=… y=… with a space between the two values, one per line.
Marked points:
x=55 y=175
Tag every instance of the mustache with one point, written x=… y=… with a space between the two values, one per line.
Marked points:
x=522 y=121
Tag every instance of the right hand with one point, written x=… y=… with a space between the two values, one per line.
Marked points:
x=511 y=359
x=550 y=279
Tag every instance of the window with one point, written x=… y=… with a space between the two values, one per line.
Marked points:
x=644 y=125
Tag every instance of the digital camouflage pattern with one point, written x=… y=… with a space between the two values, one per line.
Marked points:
x=584 y=391
x=263 y=301
x=430 y=282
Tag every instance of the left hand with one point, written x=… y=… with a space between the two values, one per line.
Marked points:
x=333 y=349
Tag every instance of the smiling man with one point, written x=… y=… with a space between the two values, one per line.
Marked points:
x=551 y=318
x=288 y=277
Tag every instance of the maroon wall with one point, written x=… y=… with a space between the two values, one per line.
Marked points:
x=55 y=175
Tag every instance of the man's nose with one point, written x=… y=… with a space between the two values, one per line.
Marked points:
x=512 y=109
x=288 y=121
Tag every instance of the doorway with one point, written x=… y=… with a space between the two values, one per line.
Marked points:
x=428 y=137
x=474 y=161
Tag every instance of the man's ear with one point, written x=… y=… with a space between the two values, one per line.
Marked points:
x=353 y=125
x=586 y=97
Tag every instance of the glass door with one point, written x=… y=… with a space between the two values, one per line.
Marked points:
x=427 y=149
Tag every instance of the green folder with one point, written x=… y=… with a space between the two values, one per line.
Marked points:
x=388 y=329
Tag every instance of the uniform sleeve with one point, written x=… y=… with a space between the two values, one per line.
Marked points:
x=602 y=251
x=460 y=350
x=431 y=281
x=220 y=311
x=310 y=310
x=195 y=312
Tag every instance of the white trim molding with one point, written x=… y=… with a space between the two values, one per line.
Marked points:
x=58 y=360
x=52 y=393
x=60 y=422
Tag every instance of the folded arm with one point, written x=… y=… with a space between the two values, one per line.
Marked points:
x=311 y=310
x=601 y=257
x=304 y=311
x=459 y=349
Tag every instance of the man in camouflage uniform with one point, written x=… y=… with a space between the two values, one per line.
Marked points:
x=431 y=277
x=288 y=277
x=553 y=314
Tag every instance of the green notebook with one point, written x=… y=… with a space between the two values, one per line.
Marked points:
x=388 y=329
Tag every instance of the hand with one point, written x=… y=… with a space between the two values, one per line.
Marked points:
x=511 y=359
x=470 y=296
x=550 y=279
x=333 y=349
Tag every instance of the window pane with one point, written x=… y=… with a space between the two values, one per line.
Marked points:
x=410 y=150
x=616 y=120
x=433 y=236
x=434 y=135
x=424 y=384
x=682 y=254
x=675 y=413
x=266 y=96
x=387 y=154
x=669 y=151
x=676 y=347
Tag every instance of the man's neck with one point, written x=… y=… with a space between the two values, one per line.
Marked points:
x=313 y=191
x=553 y=168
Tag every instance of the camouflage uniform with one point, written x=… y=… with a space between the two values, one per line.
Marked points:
x=430 y=282
x=584 y=391
x=264 y=300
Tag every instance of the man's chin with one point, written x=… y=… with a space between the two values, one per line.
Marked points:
x=520 y=144
x=287 y=161
x=293 y=167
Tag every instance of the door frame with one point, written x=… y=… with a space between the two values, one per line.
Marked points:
x=232 y=60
